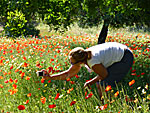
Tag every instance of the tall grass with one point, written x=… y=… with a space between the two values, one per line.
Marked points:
x=74 y=29
x=20 y=58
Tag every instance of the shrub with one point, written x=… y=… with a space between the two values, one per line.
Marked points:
x=15 y=25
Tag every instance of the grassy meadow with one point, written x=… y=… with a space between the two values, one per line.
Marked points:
x=21 y=91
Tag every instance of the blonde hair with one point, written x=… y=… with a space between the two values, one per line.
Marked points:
x=79 y=54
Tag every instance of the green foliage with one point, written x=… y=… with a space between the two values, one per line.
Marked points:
x=120 y=13
x=16 y=23
x=60 y=13
x=24 y=13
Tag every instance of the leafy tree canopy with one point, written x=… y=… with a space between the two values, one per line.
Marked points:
x=115 y=13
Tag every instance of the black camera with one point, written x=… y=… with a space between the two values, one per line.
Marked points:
x=40 y=73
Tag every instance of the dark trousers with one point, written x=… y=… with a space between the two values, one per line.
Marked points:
x=118 y=70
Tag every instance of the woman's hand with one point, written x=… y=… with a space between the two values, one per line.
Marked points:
x=46 y=75
x=45 y=72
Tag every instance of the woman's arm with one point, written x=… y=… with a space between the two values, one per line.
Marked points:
x=101 y=72
x=71 y=72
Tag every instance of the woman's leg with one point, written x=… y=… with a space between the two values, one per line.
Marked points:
x=116 y=72
x=119 y=70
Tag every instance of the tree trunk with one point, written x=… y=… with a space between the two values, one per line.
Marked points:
x=103 y=33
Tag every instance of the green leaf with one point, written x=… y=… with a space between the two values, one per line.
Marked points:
x=19 y=25
x=27 y=3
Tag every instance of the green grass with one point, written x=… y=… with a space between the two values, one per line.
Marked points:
x=20 y=59
x=90 y=31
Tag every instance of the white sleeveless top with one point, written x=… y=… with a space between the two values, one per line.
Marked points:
x=106 y=53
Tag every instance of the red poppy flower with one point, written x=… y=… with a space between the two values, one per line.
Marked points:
x=76 y=76
x=1 y=86
x=42 y=80
x=38 y=64
x=10 y=80
x=51 y=60
x=1 y=61
x=72 y=103
x=116 y=94
x=25 y=64
x=28 y=78
x=89 y=95
x=11 y=67
x=57 y=96
x=15 y=80
x=24 y=58
x=27 y=101
x=108 y=88
x=131 y=82
x=148 y=49
x=4 y=52
x=21 y=107
x=43 y=100
x=22 y=74
x=9 y=73
x=5 y=73
x=134 y=74
x=6 y=81
x=133 y=71
x=16 y=70
x=72 y=82
x=67 y=79
x=103 y=107
x=52 y=106
x=85 y=93
x=142 y=73
x=11 y=51
x=1 y=77
x=14 y=86
x=29 y=95
x=68 y=91
x=58 y=51
x=49 y=81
